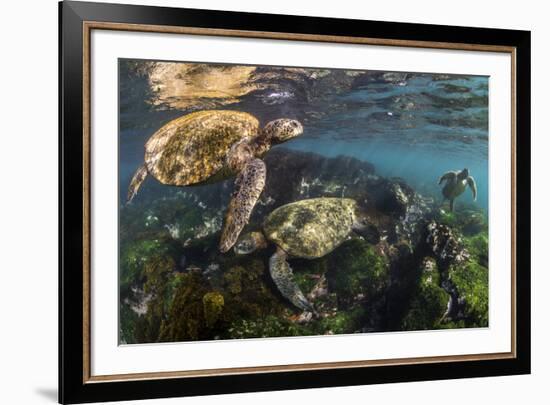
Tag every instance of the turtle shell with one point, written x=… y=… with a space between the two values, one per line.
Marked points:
x=311 y=228
x=191 y=149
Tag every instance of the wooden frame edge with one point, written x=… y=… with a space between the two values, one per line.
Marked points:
x=87 y=26
x=295 y=367
x=86 y=202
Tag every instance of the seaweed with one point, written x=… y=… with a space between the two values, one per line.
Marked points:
x=472 y=283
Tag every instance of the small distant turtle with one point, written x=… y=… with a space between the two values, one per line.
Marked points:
x=306 y=229
x=209 y=146
x=455 y=185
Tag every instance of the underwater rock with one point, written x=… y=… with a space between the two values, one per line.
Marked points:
x=319 y=290
x=391 y=196
x=356 y=273
x=347 y=321
x=478 y=246
x=140 y=301
x=472 y=222
x=468 y=221
x=430 y=302
x=398 y=200
x=193 y=269
x=296 y=175
x=137 y=256
x=411 y=226
x=182 y=262
x=269 y=326
x=311 y=277
x=471 y=281
x=446 y=247
x=246 y=292
x=182 y=317
x=292 y=176
x=213 y=304
x=212 y=269
x=475 y=224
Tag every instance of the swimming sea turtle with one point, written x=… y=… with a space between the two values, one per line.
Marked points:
x=208 y=146
x=455 y=185
x=306 y=229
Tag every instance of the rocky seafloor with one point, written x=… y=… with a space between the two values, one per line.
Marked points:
x=426 y=269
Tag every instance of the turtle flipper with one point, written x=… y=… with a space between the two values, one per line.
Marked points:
x=282 y=276
x=472 y=185
x=451 y=204
x=135 y=184
x=447 y=176
x=248 y=187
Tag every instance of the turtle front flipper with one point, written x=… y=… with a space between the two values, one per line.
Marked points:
x=282 y=276
x=472 y=185
x=248 y=186
x=137 y=181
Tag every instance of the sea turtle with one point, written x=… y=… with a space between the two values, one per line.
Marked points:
x=208 y=146
x=455 y=185
x=306 y=229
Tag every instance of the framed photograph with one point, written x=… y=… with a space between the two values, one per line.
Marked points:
x=255 y=202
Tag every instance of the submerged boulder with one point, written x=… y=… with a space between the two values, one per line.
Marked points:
x=357 y=273
x=446 y=247
x=391 y=196
x=430 y=302
x=471 y=281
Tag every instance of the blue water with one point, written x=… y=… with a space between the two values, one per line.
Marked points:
x=416 y=127
x=411 y=144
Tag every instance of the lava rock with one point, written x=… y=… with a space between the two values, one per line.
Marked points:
x=444 y=245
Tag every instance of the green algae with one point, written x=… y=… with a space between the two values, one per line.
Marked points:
x=246 y=292
x=478 y=247
x=429 y=302
x=270 y=326
x=349 y=321
x=468 y=222
x=308 y=272
x=472 y=283
x=213 y=304
x=128 y=320
x=357 y=272
x=184 y=318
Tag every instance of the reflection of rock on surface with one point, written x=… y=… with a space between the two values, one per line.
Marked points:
x=184 y=85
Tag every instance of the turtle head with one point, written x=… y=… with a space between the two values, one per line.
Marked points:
x=249 y=243
x=282 y=130
x=463 y=174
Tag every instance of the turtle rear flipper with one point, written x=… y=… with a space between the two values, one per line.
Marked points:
x=249 y=185
x=282 y=276
x=137 y=181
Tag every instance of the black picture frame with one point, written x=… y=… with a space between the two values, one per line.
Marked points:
x=73 y=387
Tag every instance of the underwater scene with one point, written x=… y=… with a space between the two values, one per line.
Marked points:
x=265 y=201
